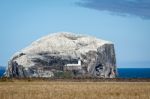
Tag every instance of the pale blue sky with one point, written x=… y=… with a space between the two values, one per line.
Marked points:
x=23 y=21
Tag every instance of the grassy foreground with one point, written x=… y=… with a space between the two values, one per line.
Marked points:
x=74 y=90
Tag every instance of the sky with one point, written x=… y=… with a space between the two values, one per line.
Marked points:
x=124 y=22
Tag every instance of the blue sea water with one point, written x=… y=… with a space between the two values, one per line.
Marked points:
x=133 y=72
x=2 y=72
x=123 y=72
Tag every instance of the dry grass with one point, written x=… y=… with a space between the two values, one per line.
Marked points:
x=74 y=90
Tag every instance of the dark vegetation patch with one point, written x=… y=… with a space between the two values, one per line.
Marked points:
x=74 y=79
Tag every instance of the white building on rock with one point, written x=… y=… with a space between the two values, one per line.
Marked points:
x=73 y=66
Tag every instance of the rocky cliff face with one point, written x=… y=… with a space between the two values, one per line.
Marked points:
x=49 y=56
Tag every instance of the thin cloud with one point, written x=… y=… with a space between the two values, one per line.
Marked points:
x=140 y=8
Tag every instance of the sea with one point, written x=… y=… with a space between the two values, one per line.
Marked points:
x=123 y=72
x=2 y=72
x=133 y=72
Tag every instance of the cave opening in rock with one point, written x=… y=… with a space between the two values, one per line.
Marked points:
x=98 y=69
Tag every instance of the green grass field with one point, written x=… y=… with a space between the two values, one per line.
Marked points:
x=74 y=90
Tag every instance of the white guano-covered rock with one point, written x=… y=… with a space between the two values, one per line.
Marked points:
x=51 y=53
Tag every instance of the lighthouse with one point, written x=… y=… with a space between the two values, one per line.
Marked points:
x=73 y=66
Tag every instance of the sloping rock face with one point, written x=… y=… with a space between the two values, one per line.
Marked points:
x=48 y=57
